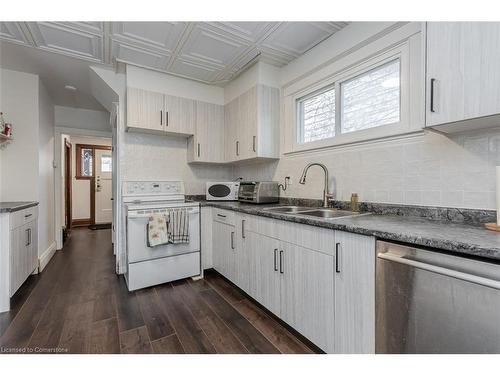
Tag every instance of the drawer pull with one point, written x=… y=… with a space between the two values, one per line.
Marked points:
x=28 y=215
x=220 y=215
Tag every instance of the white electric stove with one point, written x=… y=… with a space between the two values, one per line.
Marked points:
x=148 y=266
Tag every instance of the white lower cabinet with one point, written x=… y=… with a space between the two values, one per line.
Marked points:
x=224 y=249
x=319 y=281
x=307 y=293
x=354 y=293
x=265 y=280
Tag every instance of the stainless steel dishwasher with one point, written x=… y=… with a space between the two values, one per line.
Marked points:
x=432 y=302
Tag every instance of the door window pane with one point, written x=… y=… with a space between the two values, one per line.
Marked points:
x=106 y=163
x=86 y=162
x=371 y=99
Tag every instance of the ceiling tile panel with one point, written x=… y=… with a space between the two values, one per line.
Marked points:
x=251 y=31
x=131 y=54
x=191 y=69
x=59 y=38
x=207 y=46
x=295 y=38
x=13 y=32
x=162 y=36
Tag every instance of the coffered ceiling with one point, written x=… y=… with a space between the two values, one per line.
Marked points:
x=210 y=52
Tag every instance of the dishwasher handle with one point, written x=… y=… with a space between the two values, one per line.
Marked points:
x=441 y=270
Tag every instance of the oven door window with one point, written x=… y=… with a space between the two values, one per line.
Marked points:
x=219 y=191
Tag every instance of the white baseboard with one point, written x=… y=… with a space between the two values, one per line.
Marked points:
x=47 y=255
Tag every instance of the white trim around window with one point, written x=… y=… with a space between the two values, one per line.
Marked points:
x=410 y=55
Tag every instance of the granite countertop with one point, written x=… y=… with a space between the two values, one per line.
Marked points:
x=459 y=238
x=15 y=206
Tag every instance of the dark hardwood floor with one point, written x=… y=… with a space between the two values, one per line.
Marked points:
x=79 y=305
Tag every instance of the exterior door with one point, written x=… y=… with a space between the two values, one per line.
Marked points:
x=103 y=186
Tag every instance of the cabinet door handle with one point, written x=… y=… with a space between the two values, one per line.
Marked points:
x=276 y=259
x=243 y=228
x=281 y=262
x=232 y=240
x=253 y=143
x=166 y=118
x=237 y=148
x=198 y=150
x=161 y=117
x=337 y=257
x=27 y=237
x=433 y=80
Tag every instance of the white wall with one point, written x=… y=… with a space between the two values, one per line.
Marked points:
x=79 y=118
x=172 y=85
x=80 y=194
x=20 y=158
x=428 y=169
x=259 y=73
x=46 y=207
x=27 y=162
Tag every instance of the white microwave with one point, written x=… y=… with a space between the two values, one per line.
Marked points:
x=222 y=191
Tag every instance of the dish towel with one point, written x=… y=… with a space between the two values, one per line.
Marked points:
x=178 y=226
x=157 y=230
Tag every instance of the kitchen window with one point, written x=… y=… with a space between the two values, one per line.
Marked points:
x=317 y=114
x=349 y=105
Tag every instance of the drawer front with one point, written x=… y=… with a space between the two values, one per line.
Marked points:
x=22 y=217
x=308 y=236
x=163 y=270
x=224 y=216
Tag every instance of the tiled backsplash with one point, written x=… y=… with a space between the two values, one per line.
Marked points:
x=152 y=157
x=429 y=170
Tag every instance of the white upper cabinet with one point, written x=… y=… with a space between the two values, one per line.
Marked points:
x=144 y=110
x=231 y=121
x=179 y=115
x=207 y=145
x=463 y=75
x=252 y=124
x=153 y=112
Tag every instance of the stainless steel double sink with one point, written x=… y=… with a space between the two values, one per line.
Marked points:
x=323 y=213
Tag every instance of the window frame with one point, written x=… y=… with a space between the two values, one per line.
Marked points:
x=353 y=70
x=78 y=159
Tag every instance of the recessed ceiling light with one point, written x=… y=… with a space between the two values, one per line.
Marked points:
x=70 y=88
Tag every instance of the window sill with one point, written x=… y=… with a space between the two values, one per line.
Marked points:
x=350 y=143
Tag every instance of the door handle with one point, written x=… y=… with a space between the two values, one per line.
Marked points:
x=433 y=80
x=281 y=262
x=337 y=257
x=166 y=118
x=253 y=144
x=232 y=240
x=275 y=259
x=198 y=150
x=161 y=117
x=242 y=228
